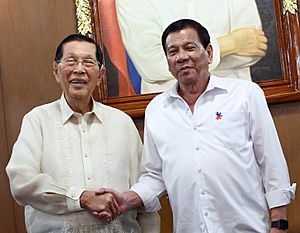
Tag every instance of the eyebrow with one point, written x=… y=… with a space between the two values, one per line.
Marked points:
x=87 y=56
x=185 y=44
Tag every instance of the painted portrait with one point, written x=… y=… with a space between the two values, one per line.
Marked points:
x=129 y=32
x=135 y=61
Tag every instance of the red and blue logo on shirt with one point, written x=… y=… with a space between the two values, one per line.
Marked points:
x=218 y=116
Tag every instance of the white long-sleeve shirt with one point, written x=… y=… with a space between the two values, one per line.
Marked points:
x=222 y=166
x=142 y=23
x=60 y=153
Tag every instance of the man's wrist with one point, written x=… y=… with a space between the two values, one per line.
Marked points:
x=132 y=200
x=281 y=224
x=83 y=199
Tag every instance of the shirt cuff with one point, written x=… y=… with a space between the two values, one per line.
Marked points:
x=151 y=202
x=281 y=197
x=73 y=198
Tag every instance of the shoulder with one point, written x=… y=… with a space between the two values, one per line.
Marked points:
x=250 y=88
x=158 y=101
x=239 y=85
x=44 y=110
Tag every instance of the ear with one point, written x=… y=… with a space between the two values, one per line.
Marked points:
x=55 y=71
x=102 y=73
x=209 y=51
x=169 y=66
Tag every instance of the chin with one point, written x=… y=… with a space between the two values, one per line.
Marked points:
x=79 y=96
x=187 y=79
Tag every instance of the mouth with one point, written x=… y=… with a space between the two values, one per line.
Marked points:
x=77 y=82
x=184 y=68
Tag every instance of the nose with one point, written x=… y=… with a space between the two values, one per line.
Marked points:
x=182 y=56
x=79 y=67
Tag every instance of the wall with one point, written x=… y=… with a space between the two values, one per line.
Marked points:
x=29 y=33
x=287 y=120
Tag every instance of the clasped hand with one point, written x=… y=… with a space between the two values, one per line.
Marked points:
x=106 y=203
x=247 y=41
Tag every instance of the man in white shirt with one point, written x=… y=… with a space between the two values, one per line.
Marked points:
x=234 y=26
x=211 y=144
x=69 y=148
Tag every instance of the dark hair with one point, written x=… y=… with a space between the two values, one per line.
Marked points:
x=183 y=24
x=77 y=37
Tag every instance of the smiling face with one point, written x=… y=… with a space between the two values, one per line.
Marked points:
x=77 y=81
x=187 y=59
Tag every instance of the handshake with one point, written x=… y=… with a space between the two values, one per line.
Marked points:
x=106 y=204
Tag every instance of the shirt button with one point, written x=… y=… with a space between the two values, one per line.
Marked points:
x=199 y=170
x=195 y=127
x=206 y=214
x=89 y=178
x=202 y=193
x=197 y=147
x=86 y=155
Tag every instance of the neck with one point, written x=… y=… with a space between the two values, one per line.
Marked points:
x=80 y=105
x=191 y=92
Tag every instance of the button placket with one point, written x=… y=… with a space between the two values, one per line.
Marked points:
x=88 y=169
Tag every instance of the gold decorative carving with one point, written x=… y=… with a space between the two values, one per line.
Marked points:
x=83 y=13
x=290 y=6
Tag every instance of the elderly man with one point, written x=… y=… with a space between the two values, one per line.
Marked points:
x=212 y=145
x=69 y=148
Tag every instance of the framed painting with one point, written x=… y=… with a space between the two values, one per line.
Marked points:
x=277 y=73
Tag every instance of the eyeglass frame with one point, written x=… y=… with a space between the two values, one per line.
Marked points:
x=82 y=61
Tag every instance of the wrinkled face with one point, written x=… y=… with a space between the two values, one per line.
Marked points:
x=78 y=71
x=187 y=59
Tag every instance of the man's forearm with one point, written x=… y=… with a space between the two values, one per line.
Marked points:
x=132 y=200
x=279 y=213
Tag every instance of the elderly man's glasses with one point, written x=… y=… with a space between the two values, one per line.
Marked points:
x=86 y=63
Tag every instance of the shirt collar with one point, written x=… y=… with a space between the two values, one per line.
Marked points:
x=67 y=112
x=214 y=83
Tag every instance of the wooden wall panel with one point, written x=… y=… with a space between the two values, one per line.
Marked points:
x=7 y=220
x=31 y=32
x=287 y=120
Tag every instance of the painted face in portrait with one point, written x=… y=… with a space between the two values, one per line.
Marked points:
x=188 y=60
x=78 y=72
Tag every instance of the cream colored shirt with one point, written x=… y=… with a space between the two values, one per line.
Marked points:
x=60 y=153
x=142 y=23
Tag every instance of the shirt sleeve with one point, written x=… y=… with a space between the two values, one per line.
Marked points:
x=150 y=185
x=29 y=185
x=268 y=152
x=149 y=222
